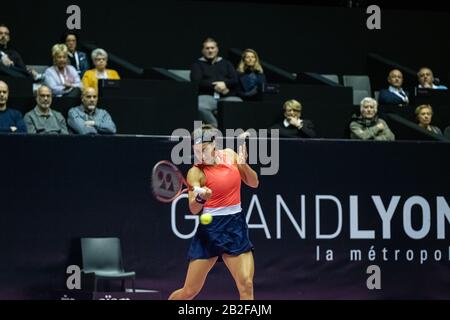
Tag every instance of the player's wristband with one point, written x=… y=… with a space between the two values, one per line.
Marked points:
x=200 y=200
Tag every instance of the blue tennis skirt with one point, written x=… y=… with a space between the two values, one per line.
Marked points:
x=224 y=235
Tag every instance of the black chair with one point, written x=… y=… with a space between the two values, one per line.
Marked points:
x=102 y=258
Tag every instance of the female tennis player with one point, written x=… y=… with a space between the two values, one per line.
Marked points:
x=226 y=238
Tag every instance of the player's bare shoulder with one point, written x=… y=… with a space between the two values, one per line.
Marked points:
x=195 y=174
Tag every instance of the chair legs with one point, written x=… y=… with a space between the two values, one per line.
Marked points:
x=132 y=285
x=123 y=282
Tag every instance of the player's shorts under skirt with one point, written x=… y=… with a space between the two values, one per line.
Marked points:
x=224 y=235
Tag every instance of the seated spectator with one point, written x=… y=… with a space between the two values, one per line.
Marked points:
x=11 y=121
x=77 y=59
x=100 y=60
x=11 y=59
x=42 y=119
x=368 y=126
x=217 y=81
x=250 y=74
x=293 y=126
x=394 y=95
x=424 y=115
x=426 y=80
x=87 y=118
x=62 y=78
x=447 y=132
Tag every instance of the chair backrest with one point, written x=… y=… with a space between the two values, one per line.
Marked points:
x=38 y=68
x=331 y=77
x=101 y=254
x=358 y=95
x=376 y=95
x=361 y=87
x=183 y=74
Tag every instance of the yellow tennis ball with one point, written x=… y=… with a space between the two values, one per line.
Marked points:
x=206 y=218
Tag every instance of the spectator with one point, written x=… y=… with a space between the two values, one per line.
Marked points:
x=394 y=95
x=62 y=78
x=11 y=59
x=426 y=80
x=447 y=132
x=11 y=121
x=368 y=126
x=251 y=75
x=424 y=115
x=88 y=119
x=100 y=60
x=293 y=126
x=77 y=59
x=42 y=119
x=217 y=81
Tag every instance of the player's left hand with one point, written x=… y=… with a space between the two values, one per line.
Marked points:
x=242 y=154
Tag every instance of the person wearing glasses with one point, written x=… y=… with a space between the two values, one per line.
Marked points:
x=100 y=60
x=426 y=80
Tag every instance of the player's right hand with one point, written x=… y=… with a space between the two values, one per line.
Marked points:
x=206 y=194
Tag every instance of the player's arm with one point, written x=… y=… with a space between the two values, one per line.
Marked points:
x=196 y=178
x=248 y=175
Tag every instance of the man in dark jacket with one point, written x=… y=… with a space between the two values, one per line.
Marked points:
x=11 y=120
x=394 y=95
x=11 y=62
x=216 y=79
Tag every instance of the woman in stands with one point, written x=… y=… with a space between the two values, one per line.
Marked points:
x=251 y=75
x=62 y=78
x=424 y=114
x=226 y=238
x=100 y=60
x=293 y=125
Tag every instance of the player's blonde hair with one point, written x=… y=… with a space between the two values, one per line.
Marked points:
x=206 y=133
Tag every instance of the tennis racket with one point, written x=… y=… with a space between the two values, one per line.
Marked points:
x=168 y=183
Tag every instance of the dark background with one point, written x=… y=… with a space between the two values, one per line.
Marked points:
x=292 y=36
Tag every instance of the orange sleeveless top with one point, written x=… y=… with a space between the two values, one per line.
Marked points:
x=225 y=182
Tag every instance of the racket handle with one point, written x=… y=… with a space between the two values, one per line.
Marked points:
x=198 y=190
